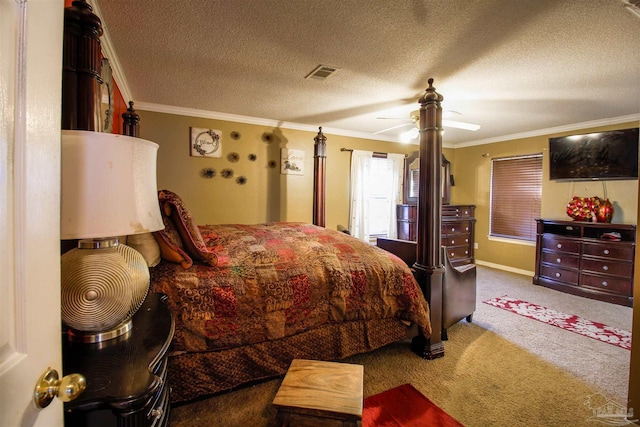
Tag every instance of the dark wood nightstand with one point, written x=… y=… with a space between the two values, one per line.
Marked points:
x=126 y=376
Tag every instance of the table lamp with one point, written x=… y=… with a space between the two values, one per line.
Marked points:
x=108 y=190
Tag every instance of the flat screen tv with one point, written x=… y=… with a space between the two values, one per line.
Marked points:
x=593 y=156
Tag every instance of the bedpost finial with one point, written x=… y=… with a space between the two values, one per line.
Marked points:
x=430 y=94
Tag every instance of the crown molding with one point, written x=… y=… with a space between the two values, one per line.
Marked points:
x=193 y=112
x=553 y=130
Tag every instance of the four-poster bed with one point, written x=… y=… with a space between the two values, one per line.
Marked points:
x=248 y=299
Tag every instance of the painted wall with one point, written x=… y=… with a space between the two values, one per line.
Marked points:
x=472 y=171
x=267 y=195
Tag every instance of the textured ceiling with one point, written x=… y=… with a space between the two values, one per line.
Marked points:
x=513 y=67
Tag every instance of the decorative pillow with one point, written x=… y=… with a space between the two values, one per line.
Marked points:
x=171 y=205
x=147 y=245
x=171 y=245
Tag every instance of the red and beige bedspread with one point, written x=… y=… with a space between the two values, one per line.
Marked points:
x=276 y=280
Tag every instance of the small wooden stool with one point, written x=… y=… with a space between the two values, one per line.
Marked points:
x=315 y=393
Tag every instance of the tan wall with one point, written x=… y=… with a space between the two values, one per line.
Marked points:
x=267 y=195
x=472 y=172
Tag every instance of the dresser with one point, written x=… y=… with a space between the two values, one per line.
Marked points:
x=126 y=376
x=594 y=260
x=457 y=229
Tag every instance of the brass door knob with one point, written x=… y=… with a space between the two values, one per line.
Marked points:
x=65 y=389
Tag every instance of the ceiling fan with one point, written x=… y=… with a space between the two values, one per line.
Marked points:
x=414 y=116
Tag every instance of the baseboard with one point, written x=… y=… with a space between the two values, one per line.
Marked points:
x=505 y=268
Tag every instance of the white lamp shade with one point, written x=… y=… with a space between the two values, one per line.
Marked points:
x=108 y=185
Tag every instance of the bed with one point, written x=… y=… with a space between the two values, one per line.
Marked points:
x=248 y=299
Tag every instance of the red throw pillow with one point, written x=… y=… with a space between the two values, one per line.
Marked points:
x=171 y=245
x=171 y=206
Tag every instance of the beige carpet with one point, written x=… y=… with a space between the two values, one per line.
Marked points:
x=500 y=370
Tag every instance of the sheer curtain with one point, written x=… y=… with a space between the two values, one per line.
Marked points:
x=396 y=166
x=360 y=171
x=361 y=165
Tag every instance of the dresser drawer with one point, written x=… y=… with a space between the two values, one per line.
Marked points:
x=607 y=283
x=561 y=259
x=457 y=227
x=609 y=250
x=456 y=239
x=560 y=275
x=454 y=211
x=557 y=243
x=456 y=252
x=616 y=268
x=407 y=212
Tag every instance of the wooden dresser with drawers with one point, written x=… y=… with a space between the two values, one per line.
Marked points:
x=457 y=229
x=594 y=260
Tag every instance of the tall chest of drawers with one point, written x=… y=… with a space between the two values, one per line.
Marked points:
x=456 y=229
x=594 y=260
x=457 y=232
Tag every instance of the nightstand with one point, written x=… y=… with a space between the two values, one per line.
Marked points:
x=126 y=376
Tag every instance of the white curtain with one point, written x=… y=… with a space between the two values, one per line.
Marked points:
x=396 y=165
x=360 y=167
x=360 y=173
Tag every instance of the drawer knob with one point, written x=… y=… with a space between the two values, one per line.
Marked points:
x=557 y=274
x=452 y=254
x=466 y=240
x=558 y=260
x=559 y=245
x=605 y=268
x=466 y=229
x=605 y=283
x=606 y=251
x=453 y=229
x=453 y=242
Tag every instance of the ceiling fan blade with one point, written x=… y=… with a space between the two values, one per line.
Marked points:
x=393 y=127
x=460 y=125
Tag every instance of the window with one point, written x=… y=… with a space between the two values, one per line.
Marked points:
x=379 y=197
x=516 y=190
x=375 y=191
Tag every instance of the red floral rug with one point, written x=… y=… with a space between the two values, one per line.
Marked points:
x=569 y=322
x=404 y=406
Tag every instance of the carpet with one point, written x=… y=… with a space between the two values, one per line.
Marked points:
x=569 y=322
x=404 y=406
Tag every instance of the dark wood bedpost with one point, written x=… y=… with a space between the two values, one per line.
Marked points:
x=81 y=67
x=429 y=268
x=130 y=121
x=319 y=177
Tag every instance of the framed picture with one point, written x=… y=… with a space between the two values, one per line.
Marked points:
x=205 y=142
x=291 y=161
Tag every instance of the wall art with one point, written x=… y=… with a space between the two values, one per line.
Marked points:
x=291 y=161
x=205 y=142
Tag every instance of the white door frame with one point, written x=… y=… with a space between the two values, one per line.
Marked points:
x=30 y=117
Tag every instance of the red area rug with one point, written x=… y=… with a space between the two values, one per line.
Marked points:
x=404 y=406
x=569 y=322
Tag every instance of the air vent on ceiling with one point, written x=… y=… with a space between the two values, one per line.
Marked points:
x=321 y=72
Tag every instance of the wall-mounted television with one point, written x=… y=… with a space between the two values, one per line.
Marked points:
x=593 y=156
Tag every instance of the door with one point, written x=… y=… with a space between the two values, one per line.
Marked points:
x=30 y=102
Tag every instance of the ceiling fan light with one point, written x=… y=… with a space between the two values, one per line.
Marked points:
x=407 y=136
x=460 y=125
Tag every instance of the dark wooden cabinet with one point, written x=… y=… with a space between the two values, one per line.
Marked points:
x=457 y=229
x=126 y=376
x=457 y=233
x=407 y=220
x=582 y=259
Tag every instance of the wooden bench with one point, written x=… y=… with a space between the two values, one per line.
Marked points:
x=315 y=393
